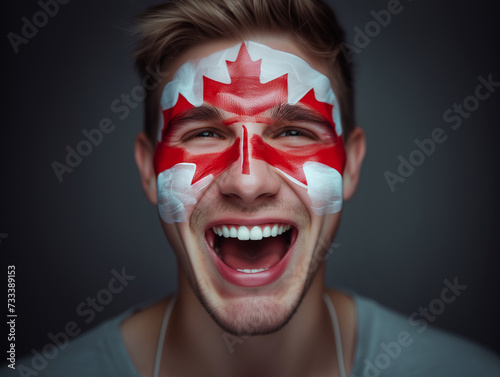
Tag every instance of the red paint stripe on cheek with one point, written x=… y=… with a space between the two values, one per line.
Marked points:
x=291 y=162
x=245 y=166
x=206 y=163
x=287 y=163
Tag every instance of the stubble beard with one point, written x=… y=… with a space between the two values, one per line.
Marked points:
x=254 y=314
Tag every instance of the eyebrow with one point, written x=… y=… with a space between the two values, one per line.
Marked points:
x=203 y=113
x=294 y=113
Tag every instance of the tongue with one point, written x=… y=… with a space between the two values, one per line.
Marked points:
x=242 y=255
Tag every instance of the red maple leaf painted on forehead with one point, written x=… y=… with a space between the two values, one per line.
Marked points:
x=245 y=95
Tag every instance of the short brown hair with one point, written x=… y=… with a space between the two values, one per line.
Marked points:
x=169 y=30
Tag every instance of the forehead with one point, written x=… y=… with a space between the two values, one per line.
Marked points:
x=248 y=78
x=278 y=43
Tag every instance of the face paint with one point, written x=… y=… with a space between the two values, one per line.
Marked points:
x=312 y=167
x=245 y=164
x=175 y=191
x=247 y=80
x=245 y=95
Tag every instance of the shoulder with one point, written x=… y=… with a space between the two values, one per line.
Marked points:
x=100 y=352
x=391 y=344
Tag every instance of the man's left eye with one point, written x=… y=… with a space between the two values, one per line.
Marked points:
x=291 y=133
x=208 y=134
x=296 y=132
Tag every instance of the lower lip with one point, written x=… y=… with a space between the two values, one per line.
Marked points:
x=257 y=279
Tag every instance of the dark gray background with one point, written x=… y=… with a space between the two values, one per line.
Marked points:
x=397 y=248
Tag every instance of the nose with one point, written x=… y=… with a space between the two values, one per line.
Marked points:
x=248 y=179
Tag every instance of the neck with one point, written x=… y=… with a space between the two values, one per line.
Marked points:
x=301 y=348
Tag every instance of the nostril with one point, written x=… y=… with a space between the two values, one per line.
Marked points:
x=261 y=182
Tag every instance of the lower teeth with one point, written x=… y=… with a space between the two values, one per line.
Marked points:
x=252 y=271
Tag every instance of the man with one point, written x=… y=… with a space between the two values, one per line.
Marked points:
x=250 y=147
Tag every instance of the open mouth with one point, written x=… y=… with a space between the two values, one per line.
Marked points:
x=251 y=255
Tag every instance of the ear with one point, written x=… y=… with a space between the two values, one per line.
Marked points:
x=355 y=148
x=144 y=153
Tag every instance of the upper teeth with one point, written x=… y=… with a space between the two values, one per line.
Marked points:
x=244 y=233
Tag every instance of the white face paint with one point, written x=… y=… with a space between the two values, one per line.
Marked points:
x=175 y=192
x=324 y=188
x=222 y=80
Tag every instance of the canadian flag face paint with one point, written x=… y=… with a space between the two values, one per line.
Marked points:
x=245 y=85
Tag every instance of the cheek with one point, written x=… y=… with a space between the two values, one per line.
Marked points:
x=182 y=177
x=206 y=164
x=294 y=162
x=324 y=188
x=316 y=167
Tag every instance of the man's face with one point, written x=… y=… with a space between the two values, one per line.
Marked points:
x=249 y=166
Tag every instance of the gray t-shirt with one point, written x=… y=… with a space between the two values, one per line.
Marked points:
x=388 y=346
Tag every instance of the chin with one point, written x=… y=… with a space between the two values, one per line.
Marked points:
x=253 y=314
x=247 y=311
